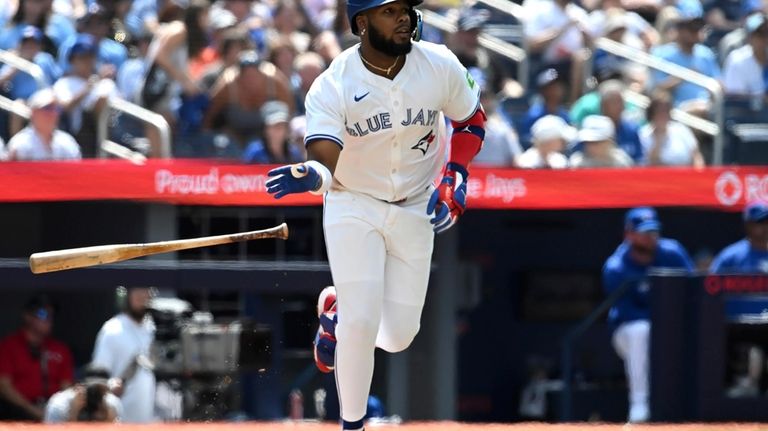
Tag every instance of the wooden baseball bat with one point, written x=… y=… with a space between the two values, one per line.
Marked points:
x=60 y=260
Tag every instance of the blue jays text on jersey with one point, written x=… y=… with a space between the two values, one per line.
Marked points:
x=382 y=121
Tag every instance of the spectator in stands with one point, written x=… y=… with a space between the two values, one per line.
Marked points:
x=552 y=90
x=41 y=140
x=688 y=52
x=38 y=13
x=307 y=67
x=209 y=57
x=122 y=348
x=275 y=147
x=168 y=80
x=238 y=95
x=110 y=54
x=288 y=20
x=83 y=93
x=612 y=105
x=590 y=103
x=466 y=45
x=71 y=9
x=128 y=83
x=327 y=45
x=22 y=84
x=90 y=400
x=33 y=365
x=641 y=250
x=597 y=138
x=501 y=146
x=746 y=69
x=610 y=18
x=549 y=135
x=282 y=53
x=142 y=18
x=234 y=42
x=298 y=127
x=558 y=30
x=667 y=142
x=722 y=17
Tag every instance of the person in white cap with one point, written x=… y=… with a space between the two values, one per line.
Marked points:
x=41 y=140
x=598 y=137
x=550 y=135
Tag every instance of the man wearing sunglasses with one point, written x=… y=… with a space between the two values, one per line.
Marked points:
x=41 y=139
x=33 y=366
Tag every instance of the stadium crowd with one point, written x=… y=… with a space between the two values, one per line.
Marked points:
x=230 y=76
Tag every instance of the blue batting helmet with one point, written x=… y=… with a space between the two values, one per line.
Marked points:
x=354 y=7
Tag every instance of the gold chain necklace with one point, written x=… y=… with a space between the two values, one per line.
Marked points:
x=387 y=71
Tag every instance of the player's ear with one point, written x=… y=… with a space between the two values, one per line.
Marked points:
x=362 y=23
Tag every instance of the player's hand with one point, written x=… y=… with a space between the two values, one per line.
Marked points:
x=298 y=178
x=449 y=200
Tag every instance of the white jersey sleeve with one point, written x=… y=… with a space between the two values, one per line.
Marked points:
x=463 y=93
x=325 y=117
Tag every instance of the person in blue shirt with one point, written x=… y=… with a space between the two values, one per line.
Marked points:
x=21 y=85
x=747 y=256
x=111 y=54
x=56 y=27
x=552 y=91
x=688 y=52
x=275 y=146
x=750 y=254
x=642 y=249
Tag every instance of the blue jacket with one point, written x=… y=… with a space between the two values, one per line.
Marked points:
x=620 y=268
x=740 y=258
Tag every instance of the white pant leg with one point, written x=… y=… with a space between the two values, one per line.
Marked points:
x=409 y=239
x=356 y=253
x=631 y=341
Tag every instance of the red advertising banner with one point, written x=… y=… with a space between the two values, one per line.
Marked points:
x=205 y=182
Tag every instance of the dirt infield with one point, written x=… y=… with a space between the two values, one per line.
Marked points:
x=415 y=426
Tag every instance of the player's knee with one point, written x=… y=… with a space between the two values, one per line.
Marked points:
x=356 y=329
x=397 y=340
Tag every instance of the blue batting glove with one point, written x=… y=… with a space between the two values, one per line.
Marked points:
x=449 y=200
x=298 y=178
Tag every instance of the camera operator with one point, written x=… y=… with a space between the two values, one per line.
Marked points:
x=88 y=401
x=123 y=348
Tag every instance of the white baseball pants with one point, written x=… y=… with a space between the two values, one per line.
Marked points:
x=380 y=256
x=632 y=343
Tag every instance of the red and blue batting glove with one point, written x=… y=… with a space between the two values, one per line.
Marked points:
x=449 y=200
x=298 y=178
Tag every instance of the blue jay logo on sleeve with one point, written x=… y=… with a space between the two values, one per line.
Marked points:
x=425 y=142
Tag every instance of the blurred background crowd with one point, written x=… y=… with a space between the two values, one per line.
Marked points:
x=229 y=76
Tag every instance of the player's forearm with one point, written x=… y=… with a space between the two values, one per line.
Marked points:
x=11 y=395
x=467 y=138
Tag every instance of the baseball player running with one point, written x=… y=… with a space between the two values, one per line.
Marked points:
x=372 y=125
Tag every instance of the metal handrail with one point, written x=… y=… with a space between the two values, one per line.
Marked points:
x=17 y=107
x=25 y=66
x=507 y=6
x=501 y=47
x=570 y=338
x=137 y=111
x=710 y=84
x=692 y=121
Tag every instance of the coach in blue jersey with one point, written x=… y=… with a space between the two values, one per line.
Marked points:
x=642 y=249
x=749 y=255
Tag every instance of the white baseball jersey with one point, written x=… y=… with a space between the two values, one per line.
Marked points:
x=388 y=129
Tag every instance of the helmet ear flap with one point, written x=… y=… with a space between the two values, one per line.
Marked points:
x=417 y=23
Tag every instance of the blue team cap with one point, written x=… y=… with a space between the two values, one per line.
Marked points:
x=756 y=212
x=642 y=219
x=32 y=32
x=84 y=44
x=754 y=22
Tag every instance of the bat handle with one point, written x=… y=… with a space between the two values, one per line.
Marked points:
x=296 y=173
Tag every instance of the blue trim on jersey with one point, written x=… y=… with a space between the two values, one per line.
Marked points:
x=315 y=137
